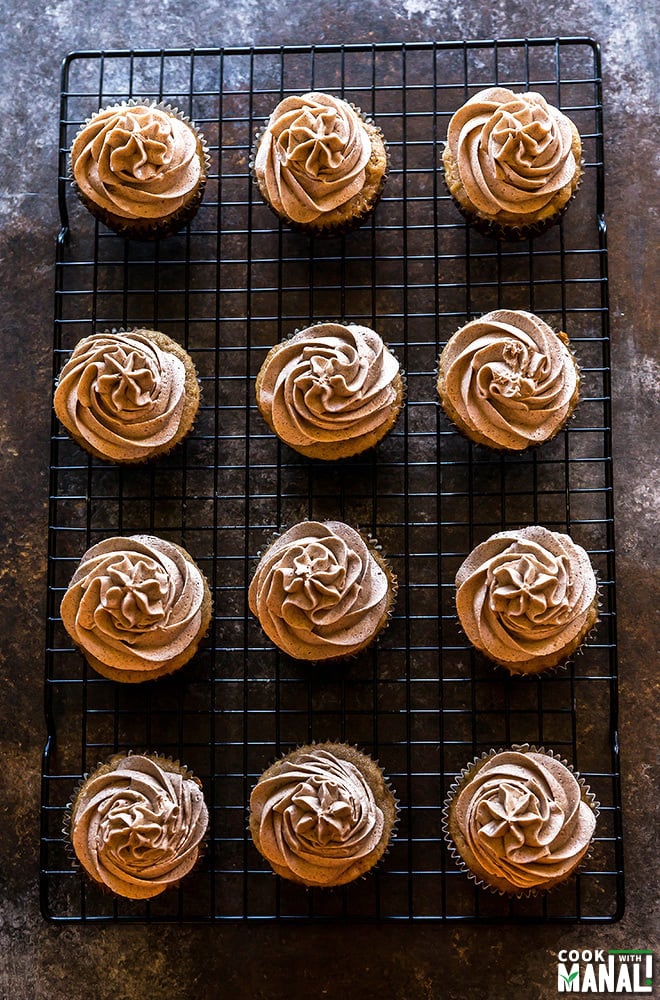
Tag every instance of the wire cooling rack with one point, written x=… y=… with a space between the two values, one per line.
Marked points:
x=229 y=286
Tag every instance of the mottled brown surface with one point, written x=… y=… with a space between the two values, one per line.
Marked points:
x=41 y=962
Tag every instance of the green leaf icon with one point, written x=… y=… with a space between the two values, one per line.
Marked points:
x=568 y=979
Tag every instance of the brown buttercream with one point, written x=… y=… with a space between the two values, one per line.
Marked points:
x=319 y=592
x=520 y=820
x=127 y=395
x=527 y=598
x=508 y=380
x=315 y=818
x=312 y=156
x=515 y=155
x=137 y=825
x=331 y=390
x=138 y=161
x=136 y=605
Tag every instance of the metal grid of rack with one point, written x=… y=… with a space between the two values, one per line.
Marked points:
x=229 y=286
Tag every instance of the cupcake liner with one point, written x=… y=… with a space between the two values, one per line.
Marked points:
x=333 y=746
x=375 y=549
x=147 y=229
x=467 y=772
x=170 y=346
x=340 y=228
x=110 y=765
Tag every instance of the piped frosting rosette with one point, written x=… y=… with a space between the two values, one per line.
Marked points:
x=516 y=157
x=311 y=158
x=137 y=824
x=519 y=820
x=319 y=591
x=122 y=394
x=139 y=162
x=527 y=598
x=331 y=390
x=136 y=606
x=508 y=380
x=315 y=818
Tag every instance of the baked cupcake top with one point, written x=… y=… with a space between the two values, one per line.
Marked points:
x=311 y=158
x=137 y=161
x=318 y=591
x=508 y=379
x=514 y=152
x=332 y=384
x=135 y=603
x=137 y=825
x=526 y=594
x=124 y=393
x=523 y=819
x=317 y=817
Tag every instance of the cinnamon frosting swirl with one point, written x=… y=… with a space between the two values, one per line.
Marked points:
x=521 y=820
x=137 y=824
x=511 y=157
x=315 y=818
x=527 y=598
x=138 y=162
x=331 y=390
x=508 y=380
x=126 y=396
x=136 y=606
x=319 y=593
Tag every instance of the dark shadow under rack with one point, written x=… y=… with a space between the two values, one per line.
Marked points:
x=228 y=287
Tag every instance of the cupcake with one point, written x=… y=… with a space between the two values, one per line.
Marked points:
x=320 y=164
x=127 y=396
x=137 y=824
x=321 y=592
x=140 y=167
x=512 y=162
x=323 y=815
x=331 y=390
x=519 y=821
x=527 y=599
x=137 y=607
x=508 y=380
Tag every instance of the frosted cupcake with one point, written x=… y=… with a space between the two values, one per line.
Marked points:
x=320 y=164
x=512 y=162
x=508 y=380
x=321 y=592
x=527 y=599
x=331 y=390
x=519 y=821
x=127 y=396
x=323 y=815
x=137 y=824
x=137 y=607
x=140 y=167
